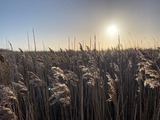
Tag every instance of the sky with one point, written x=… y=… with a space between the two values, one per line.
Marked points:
x=56 y=21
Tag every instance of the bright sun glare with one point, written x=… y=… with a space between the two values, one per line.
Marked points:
x=112 y=29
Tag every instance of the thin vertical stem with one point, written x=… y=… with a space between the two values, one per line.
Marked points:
x=68 y=43
x=28 y=42
x=119 y=42
x=95 y=41
x=74 y=43
x=34 y=38
x=90 y=43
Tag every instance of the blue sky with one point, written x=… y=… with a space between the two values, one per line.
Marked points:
x=56 y=20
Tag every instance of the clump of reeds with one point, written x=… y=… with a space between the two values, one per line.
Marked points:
x=20 y=87
x=71 y=77
x=39 y=63
x=112 y=89
x=8 y=97
x=5 y=70
x=89 y=79
x=58 y=75
x=34 y=80
x=8 y=101
x=60 y=93
x=7 y=114
x=59 y=90
x=113 y=94
x=148 y=78
x=148 y=70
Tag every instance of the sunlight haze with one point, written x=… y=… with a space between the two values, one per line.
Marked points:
x=56 y=21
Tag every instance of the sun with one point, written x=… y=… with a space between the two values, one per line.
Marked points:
x=112 y=30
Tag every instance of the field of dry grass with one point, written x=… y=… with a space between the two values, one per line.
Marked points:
x=80 y=85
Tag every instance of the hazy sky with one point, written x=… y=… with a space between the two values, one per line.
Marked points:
x=56 y=20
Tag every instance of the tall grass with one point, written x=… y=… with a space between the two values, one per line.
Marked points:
x=80 y=85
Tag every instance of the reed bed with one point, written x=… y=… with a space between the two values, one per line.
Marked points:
x=80 y=85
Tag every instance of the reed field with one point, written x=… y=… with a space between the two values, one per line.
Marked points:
x=114 y=84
